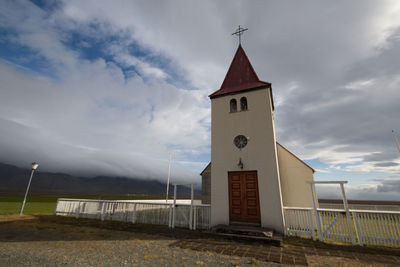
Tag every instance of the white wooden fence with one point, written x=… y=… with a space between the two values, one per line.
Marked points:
x=362 y=227
x=196 y=216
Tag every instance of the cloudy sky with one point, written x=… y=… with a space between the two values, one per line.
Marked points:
x=112 y=87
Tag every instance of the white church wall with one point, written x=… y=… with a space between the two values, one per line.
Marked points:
x=260 y=154
x=294 y=175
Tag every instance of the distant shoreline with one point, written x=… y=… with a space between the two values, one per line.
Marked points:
x=362 y=202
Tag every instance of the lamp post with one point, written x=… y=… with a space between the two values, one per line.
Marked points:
x=169 y=175
x=34 y=167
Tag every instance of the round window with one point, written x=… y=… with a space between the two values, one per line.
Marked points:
x=240 y=141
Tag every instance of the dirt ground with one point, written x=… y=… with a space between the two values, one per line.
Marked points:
x=57 y=241
x=47 y=240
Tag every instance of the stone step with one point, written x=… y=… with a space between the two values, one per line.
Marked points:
x=247 y=232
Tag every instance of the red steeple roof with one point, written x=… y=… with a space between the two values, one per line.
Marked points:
x=240 y=76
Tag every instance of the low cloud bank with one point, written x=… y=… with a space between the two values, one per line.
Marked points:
x=383 y=189
x=21 y=144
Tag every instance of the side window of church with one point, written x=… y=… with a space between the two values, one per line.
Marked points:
x=233 y=105
x=243 y=103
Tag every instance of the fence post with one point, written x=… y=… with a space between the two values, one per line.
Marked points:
x=170 y=216
x=58 y=201
x=134 y=213
x=311 y=224
x=285 y=217
x=320 y=234
x=346 y=207
x=103 y=210
x=358 y=233
x=78 y=210
x=174 y=208
x=125 y=211
x=191 y=207
x=195 y=208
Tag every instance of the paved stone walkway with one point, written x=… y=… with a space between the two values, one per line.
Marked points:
x=259 y=252
x=298 y=252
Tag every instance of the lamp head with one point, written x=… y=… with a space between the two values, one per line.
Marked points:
x=34 y=166
x=240 y=164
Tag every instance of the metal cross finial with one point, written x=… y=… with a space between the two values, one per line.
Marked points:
x=239 y=32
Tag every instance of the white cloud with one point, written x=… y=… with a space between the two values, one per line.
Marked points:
x=122 y=56
x=312 y=52
x=359 y=84
x=365 y=167
x=385 y=189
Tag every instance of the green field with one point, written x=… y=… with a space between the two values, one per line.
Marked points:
x=47 y=204
x=34 y=204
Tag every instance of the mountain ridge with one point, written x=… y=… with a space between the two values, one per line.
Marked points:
x=14 y=180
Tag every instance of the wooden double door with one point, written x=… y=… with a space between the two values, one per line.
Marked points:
x=244 y=204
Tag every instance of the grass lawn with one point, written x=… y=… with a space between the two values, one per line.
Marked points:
x=34 y=204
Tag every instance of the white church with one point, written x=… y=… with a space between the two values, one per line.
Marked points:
x=251 y=177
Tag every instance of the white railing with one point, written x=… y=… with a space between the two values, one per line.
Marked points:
x=378 y=228
x=362 y=227
x=360 y=206
x=299 y=222
x=335 y=226
x=196 y=216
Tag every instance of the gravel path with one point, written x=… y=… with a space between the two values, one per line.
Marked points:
x=32 y=241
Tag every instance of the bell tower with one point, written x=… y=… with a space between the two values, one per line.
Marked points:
x=245 y=182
